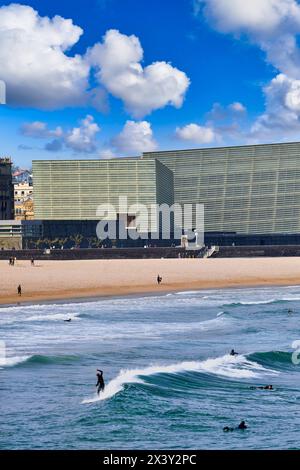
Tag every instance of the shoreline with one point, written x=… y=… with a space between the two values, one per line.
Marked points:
x=74 y=299
x=87 y=281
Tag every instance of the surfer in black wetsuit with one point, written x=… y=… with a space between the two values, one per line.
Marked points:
x=159 y=279
x=233 y=353
x=100 y=381
x=241 y=426
x=265 y=387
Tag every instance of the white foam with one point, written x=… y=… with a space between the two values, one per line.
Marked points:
x=258 y=302
x=189 y=292
x=53 y=317
x=228 y=366
x=13 y=361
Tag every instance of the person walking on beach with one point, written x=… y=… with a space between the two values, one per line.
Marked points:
x=32 y=261
x=159 y=279
x=100 y=381
x=19 y=290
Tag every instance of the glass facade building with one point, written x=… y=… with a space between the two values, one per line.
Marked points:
x=246 y=190
x=74 y=189
x=252 y=189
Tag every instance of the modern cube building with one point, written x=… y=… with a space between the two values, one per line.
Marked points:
x=73 y=190
x=251 y=189
x=247 y=191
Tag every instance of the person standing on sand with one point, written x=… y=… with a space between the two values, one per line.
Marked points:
x=32 y=261
x=19 y=290
x=159 y=279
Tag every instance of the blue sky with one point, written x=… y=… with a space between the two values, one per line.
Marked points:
x=232 y=88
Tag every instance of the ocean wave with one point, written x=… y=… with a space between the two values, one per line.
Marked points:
x=238 y=367
x=35 y=359
x=12 y=361
x=274 y=301
x=276 y=359
x=53 y=317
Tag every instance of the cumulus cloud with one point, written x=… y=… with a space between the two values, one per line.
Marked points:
x=195 y=133
x=273 y=25
x=107 y=154
x=282 y=115
x=135 y=138
x=39 y=130
x=81 y=139
x=237 y=107
x=33 y=60
x=262 y=18
x=234 y=110
x=143 y=90
x=40 y=71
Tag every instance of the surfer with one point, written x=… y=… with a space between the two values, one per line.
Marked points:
x=19 y=289
x=233 y=353
x=100 y=381
x=265 y=387
x=159 y=279
x=290 y=311
x=69 y=319
x=241 y=426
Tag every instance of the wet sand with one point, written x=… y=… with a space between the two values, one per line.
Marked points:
x=63 y=280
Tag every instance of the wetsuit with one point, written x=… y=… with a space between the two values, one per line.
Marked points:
x=100 y=382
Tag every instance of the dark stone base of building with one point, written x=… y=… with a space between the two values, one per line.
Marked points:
x=235 y=239
x=101 y=253
x=257 y=251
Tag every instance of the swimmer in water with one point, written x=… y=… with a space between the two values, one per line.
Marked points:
x=233 y=353
x=242 y=426
x=264 y=387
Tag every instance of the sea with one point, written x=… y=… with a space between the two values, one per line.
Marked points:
x=170 y=380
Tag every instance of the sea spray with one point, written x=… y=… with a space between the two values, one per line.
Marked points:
x=238 y=367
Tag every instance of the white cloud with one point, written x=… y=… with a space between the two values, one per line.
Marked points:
x=135 y=138
x=237 y=107
x=80 y=139
x=282 y=116
x=273 y=25
x=33 y=60
x=107 y=154
x=195 y=133
x=220 y=113
x=40 y=71
x=39 y=130
x=83 y=138
x=260 y=18
x=143 y=90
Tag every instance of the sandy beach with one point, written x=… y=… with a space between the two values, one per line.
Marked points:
x=58 y=280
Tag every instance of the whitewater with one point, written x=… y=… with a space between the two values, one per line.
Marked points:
x=170 y=380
